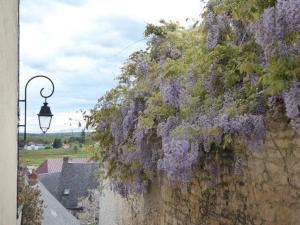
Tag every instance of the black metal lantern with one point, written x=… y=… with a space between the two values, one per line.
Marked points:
x=45 y=117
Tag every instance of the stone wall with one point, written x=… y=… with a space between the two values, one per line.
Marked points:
x=265 y=192
x=8 y=110
x=113 y=208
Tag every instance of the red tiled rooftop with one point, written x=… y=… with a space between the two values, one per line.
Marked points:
x=55 y=165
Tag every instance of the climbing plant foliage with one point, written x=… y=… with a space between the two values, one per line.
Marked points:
x=198 y=91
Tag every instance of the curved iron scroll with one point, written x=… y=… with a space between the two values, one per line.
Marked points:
x=41 y=93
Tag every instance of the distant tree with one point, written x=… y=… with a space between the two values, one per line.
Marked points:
x=75 y=148
x=74 y=140
x=69 y=140
x=82 y=137
x=57 y=143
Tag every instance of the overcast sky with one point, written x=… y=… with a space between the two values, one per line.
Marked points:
x=81 y=45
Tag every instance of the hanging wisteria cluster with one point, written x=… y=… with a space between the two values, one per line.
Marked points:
x=291 y=98
x=216 y=24
x=170 y=90
x=198 y=92
x=180 y=152
x=142 y=66
x=276 y=24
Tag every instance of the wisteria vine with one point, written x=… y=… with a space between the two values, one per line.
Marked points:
x=199 y=91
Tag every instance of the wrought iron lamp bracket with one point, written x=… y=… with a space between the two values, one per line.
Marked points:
x=25 y=100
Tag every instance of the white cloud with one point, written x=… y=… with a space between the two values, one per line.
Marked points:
x=149 y=11
x=74 y=63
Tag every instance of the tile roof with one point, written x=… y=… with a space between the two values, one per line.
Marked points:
x=50 y=166
x=51 y=182
x=54 y=213
x=78 y=178
x=77 y=175
x=55 y=165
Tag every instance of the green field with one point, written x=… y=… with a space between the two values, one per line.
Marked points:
x=36 y=157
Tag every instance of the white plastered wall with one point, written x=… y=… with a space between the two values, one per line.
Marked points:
x=8 y=109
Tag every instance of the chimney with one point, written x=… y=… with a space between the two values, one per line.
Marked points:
x=32 y=178
x=65 y=159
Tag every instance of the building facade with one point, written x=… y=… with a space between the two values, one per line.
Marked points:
x=9 y=32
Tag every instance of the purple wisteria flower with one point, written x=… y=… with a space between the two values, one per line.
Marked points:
x=291 y=97
x=142 y=66
x=251 y=129
x=276 y=23
x=178 y=160
x=216 y=24
x=170 y=90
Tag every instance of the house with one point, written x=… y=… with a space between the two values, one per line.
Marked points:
x=34 y=146
x=54 y=213
x=66 y=146
x=75 y=181
x=69 y=180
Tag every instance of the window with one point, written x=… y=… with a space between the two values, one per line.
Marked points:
x=66 y=191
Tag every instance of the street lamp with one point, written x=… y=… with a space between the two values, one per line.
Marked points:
x=45 y=115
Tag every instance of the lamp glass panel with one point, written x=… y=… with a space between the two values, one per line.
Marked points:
x=45 y=122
